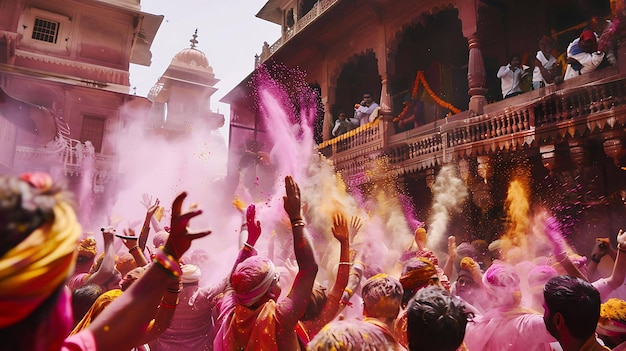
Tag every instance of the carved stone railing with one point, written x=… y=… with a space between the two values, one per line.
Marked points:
x=318 y=9
x=551 y=113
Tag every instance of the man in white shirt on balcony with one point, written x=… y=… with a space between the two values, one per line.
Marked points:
x=511 y=75
x=364 y=112
x=344 y=124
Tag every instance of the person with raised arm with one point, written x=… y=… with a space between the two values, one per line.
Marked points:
x=329 y=304
x=37 y=254
x=258 y=321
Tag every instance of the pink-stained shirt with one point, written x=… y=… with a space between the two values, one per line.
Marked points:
x=83 y=341
x=515 y=330
x=192 y=326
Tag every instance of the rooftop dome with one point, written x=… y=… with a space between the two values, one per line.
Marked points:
x=192 y=57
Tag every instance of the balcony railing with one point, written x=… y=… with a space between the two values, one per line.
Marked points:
x=318 y=9
x=507 y=125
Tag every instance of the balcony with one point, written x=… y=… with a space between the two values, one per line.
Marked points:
x=591 y=104
x=318 y=9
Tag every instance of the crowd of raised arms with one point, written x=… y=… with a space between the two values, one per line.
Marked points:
x=58 y=292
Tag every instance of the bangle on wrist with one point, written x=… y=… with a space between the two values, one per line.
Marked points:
x=298 y=223
x=248 y=246
x=347 y=263
x=295 y=220
x=167 y=262
x=168 y=305
x=134 y=248
x=349 y=291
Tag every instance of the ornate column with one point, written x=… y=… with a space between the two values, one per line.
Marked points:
x=327 y=124
x=476 y=77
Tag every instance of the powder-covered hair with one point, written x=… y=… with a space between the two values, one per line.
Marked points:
x=350 y=335
x=382 y=296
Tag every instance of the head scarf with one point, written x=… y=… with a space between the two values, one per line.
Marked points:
x=252 y=279
x=503 y=285
x=32 y=270
x=417 y=273
x=98 y=306
x=612 y=318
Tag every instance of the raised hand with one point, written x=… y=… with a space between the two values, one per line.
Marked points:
x=130 y=243
x=355 y=226
x=292 y=199
x=621 y=239
x=254 y=228
x=146 y=200
x=152 y=208
x=554 y=234
x=452 y=246
x=180 y=238
x=340 y=228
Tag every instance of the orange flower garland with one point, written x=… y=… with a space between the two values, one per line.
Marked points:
x=421 y=79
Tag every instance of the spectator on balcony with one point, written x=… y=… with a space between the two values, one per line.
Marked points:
x=366 y=110
x=511 y=75
x=344 y=124
x=583 y=55
x=546 y=67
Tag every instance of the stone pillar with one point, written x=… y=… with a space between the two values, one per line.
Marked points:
x=327 y=100
x=476 y=77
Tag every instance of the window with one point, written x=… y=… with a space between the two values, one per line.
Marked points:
x=46 y=30
x=93 y=131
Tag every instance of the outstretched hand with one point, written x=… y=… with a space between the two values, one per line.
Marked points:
x=355 y=226
x=180 y=238
x=146 y=200
x=152 y=208
x=621 y=238
x=340 y=228
x=292 y=199
x=129 y=243
x=254 y=228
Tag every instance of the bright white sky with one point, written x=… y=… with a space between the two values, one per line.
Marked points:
x=229 y=34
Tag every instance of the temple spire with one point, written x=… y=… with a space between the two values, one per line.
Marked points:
x=193 y=40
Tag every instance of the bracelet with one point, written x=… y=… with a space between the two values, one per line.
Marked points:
x=134 y=248
x=595 y=259
x=168 y=262
x=349 y=291
x=348 y=263
x=299 y=223
x=248 y=246
x=174 y=290
x=295 y=220
x=167 y=305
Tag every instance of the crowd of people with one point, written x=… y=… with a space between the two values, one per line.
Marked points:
x=583 y=55
x=59 y=293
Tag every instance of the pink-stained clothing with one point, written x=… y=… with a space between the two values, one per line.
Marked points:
x=77 y=280
x=192 y=326
x=592 y=344
x=83 y=341
x=514 y=330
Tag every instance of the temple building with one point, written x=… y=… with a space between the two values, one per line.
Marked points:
x=438 y=60
x=182 y=96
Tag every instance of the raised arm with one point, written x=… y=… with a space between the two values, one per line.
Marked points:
x=145 y=229
x=115 y=328
x=133 y=248
x=559 y=249
x=333 y=299
x=291 y=308
x=619 y=267
x=107 y=267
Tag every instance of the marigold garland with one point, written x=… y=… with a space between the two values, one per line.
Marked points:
x=421 y=79
x=614 y=309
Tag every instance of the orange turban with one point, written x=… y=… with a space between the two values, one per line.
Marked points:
x=31 y=271
x=87 y=247
x=417 y=273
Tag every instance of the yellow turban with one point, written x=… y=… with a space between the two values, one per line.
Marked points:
x=31 y=271
x=419 y=272
x=612 y=320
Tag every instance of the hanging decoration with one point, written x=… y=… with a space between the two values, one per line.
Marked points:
x=421 y=79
